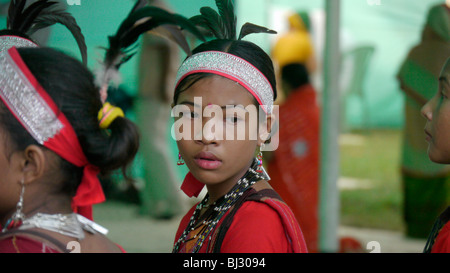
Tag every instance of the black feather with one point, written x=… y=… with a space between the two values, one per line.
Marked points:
x=226 y=11
x=174 y=34
x=21 y=19
x=51 y=17
x=249 y=28
x=222 y=24
x=15 y=9
x=31 y=13
x=214 y=22
x=139 y=22
x=201 y=23
x=42 y=14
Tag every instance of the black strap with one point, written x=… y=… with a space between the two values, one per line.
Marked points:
x=437 y=226
x=249 y=195
x=56 y=243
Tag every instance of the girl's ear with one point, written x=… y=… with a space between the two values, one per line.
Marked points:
x=268 y=130
x=33 y=163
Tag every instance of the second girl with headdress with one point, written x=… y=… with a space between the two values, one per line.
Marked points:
x=240 y=212
x=58 y=133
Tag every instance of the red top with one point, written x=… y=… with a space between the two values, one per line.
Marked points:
x=257 y=227
x=23 y=244
x=442 y=243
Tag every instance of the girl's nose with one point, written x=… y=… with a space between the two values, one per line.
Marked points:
x=427 y=111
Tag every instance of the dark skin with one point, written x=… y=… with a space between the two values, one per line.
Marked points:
x=38 y=169
x=437 y=113
x=234 y=156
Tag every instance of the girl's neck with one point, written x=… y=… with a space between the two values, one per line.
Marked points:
x=218 y=190
x=53 y=204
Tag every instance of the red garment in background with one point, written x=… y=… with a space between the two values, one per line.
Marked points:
x=294 y=168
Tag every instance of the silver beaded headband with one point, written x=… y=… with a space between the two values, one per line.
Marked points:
x=25 y=102
x=8 y=41
x=231 y=67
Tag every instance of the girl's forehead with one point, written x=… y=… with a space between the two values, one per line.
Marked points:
x=217 y=90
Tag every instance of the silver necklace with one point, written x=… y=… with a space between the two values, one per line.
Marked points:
x=72 y=224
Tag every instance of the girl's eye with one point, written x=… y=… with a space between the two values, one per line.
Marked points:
x=190 y=115
x=232 y=120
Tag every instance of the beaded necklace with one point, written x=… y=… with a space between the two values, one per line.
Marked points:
x=218 y=209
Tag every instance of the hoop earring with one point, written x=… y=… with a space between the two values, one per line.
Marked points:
x=17 y=218
x=259 y=157
x=180 y=160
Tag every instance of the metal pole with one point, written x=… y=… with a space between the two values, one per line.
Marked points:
x=329 y=194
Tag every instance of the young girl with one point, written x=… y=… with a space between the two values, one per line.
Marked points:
x=241 y=212
x=52 y=149
x=437 y=133
x=52 y=145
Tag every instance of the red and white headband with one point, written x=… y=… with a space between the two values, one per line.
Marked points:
x=231 y=67
x=37 y=112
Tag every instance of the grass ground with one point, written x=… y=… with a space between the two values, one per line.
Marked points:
x=371 y=159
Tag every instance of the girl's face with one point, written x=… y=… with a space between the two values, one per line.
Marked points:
x=437 y=113
x=216 y=159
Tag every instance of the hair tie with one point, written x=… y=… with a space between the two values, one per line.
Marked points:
x=108 y=114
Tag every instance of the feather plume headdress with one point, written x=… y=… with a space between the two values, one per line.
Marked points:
x=23 y=22
x=140 y=20
x=221 y=24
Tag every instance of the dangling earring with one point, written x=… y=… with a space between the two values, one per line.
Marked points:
x=18 y=216
x=259 y=157
x=180 y=160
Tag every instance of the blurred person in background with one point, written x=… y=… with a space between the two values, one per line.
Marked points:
x=158 y=64
x=295 y=46
x=437 y=133
x=425 y=183
x=294 y=166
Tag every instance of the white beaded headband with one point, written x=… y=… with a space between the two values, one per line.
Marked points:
x=231 y=67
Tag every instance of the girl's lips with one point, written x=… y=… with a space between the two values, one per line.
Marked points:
x=428 y=136
x=207 y=160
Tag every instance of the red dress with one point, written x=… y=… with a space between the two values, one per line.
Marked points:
x=264 y=226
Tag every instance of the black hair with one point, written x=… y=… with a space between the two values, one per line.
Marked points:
x=11 y=32
x=243 y=49
x=295 y=75
x=71 y=86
